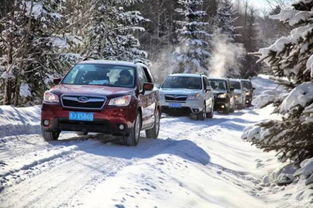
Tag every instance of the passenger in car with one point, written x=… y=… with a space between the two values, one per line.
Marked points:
x=125 y=79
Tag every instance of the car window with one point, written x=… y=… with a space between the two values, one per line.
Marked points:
x=218 y=84
x=235 y=85
x=142 y=77
x=247 y=84
x=183 y=82
x=101 y=74
x=145 y=71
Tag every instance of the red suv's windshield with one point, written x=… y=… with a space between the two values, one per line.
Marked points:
x=101 y=74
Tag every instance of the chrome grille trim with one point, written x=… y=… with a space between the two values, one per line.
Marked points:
x=175 y=98
x=91 y=99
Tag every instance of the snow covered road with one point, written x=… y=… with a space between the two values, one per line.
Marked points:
x=192 y=164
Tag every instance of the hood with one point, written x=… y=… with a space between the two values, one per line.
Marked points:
x=178 y=91
x=216 y=92
x=90 y=90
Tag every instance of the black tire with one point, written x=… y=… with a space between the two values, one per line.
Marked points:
x=201 y=116
x=154 y=132
x=210 y=114
x=133 y=138
x=50 y=135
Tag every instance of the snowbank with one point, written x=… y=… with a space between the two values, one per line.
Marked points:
x=15 y=121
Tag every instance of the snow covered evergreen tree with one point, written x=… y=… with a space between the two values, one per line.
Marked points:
x=30 y=48
x=192 y=53
x=225 y=19
x=291 y=56
x=123 y=44
x=111 y=31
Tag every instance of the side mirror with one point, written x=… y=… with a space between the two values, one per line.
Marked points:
x=147 y=87
x=56 y=81
x=208 y=89
x=232 y=89
x=253 y=88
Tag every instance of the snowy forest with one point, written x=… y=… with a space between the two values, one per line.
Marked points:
x=40 y=40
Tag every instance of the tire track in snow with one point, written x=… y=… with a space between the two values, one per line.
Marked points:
x=82 y=169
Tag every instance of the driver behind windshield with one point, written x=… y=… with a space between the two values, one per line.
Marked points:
x=125 y=79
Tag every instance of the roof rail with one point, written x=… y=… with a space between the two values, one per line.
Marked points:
x=136 y=61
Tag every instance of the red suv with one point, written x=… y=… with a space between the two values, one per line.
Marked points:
x=112 y=97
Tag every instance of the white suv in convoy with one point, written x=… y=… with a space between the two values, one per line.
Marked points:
x=239 y=92
x=187 y=93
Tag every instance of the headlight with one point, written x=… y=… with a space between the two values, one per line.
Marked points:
x=194 y=96
x=120 y=101
x=49 y=97
x=247 y=93
x=224 y=95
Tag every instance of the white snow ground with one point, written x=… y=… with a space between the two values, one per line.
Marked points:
x=192 y=164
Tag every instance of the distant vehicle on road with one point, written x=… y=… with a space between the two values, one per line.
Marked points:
x=239 y=92
x=111 y=97
x=247 y=85
x=224 y=99
x=188 y=94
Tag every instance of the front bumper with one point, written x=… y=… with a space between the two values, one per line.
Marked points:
x=187 y=107
x=221 y=103
x=248 y=100
x=107 y=120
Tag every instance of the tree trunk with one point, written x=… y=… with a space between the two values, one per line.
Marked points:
x=16 y=91
x=7 y=92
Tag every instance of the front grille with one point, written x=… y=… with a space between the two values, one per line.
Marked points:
x=176 y=98
x=83 y=102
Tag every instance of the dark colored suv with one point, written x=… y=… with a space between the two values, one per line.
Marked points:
x=247 y=85
x=223 y=95
x=112 y=97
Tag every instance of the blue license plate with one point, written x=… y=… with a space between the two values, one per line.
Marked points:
x=80 y=116
x=175 y=105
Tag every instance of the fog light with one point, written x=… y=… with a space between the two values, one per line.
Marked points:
x=46 y=122
x=222 y=106
x=121 y=127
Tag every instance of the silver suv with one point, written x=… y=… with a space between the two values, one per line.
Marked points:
x=187 y=93
x=239 y=92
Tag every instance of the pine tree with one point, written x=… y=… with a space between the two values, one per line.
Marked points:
x=192 y=54
x=225 y=19
x=291 y=56
x=124 y=45
x=110 y=32
x=30 y=48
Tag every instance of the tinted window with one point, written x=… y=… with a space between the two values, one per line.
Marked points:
x=101 y=74
x=235 y=85
x=218 y=84
x=142 y=77
x=247 y=84
x=183 y=82
x=145 y=70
